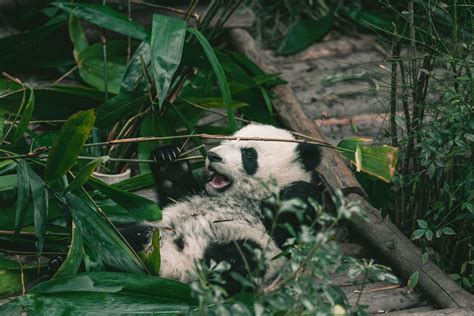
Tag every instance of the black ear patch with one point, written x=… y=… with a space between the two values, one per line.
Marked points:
x=309 y=154
x=249 y=160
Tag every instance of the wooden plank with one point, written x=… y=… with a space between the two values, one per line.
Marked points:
x=382 y=297
x=412 y=311
x=381 y=234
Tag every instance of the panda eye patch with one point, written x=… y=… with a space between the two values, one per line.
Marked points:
x=249 y=160
x=249 y=153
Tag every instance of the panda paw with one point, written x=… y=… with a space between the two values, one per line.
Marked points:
x=165 y=154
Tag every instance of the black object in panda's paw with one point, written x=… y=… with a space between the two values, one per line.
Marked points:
x=173 y=178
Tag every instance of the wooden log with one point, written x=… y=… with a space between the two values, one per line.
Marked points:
x=380 y=233
x=427 y=311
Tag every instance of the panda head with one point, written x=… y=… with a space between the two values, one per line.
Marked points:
x=248 y=168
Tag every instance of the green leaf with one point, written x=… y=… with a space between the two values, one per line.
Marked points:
x=10 y=283
x=91 y=65
x=8 y=185
x=101 y=237
x=113 y=282
x=422 y=223
x=26 y=114
x=134 y=78
x=24 y=194
x=448 y=231
x=377 y=161
x=429 y=234
x=74 y=256
x=73 y=136
x=105 y=17
x=152 y=259
x=85 y=173
x=39 y=194
x=304 y=33
x=413 y=280
x=417 y=234
x=424 y=257
x=78 y=37
x=140 y=207
x=118 y=108
x=219 y=72
x=167 y=40
x=135 y=183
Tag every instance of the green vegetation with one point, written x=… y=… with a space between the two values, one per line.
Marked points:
x=85 y=88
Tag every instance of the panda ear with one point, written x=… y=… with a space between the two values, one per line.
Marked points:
x=309 y=155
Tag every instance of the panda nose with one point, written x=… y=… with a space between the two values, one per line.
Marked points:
x=213 y=157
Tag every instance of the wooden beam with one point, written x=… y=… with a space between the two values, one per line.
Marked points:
x=379 y=233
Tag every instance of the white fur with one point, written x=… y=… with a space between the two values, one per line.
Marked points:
x=235 y=213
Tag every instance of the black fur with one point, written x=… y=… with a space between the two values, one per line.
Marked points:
x=289 y=222
x=249 y=160
x=179 y=242
x=173 y=179
x=232 y=253
x=309 y=154
x=138 y=236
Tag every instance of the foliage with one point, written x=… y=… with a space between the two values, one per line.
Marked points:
x=432 y=82
x=304 y=284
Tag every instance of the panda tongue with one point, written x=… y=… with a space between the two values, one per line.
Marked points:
x=218 y=181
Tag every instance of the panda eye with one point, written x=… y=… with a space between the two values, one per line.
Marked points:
x=249 y=153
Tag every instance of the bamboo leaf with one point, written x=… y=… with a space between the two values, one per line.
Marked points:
x=73 y=135
x=377 y=161
x=134 y=76
x=85 y=173
x=140 y=207
x=119 y=107
x=24 y=194
x=304 y=33
x=101 y=237
x=219 y=72
x=74 y=256
x=78 y=37
x=39 y=194
x=167 y=40
x=26 y=115
x=152 y=259
x=105 y=17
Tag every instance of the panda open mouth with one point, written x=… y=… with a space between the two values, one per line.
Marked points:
x=217 y=180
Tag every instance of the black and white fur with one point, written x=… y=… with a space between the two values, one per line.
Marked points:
x=225 y=223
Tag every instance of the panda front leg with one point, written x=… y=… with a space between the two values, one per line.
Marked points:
x=174 y=179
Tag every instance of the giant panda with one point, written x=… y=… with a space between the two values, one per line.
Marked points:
x=225 y=222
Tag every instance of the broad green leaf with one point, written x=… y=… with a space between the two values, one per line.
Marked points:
x=135 y=183
x=105 y=17
x=113 y=282
x=45 y=139
x=91 y=65
x=119 y=107
x=78 y=37
x=152 y=259
x=140 y=207
x=26 y=114
x=39 y=194
x=429 y=234
x=167 y=40
x=134 y=78
x=413 y=280
x=8 y=186
x=377 y=161
x=74 y=256
x=73 y=135
x=85 y=173
x=448 y=231
x=10 y=282
x=304 y=33
x=149 y=127
x=24 y=194
x=101 y=237
x=373 y=21
x=220 y=75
